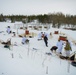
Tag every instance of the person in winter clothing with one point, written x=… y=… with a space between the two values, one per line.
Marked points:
x=7 y=44
x=23 y=40
x=46 y=34
x=60 y=46
x=40 y=36
x=8 y=30
x=67 y=48
x=54 y=48
x=46 y=40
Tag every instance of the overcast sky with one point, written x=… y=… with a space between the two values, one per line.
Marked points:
x=35 y=7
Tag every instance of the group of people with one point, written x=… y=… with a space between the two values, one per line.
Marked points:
x=59 y=47
x=44 y=36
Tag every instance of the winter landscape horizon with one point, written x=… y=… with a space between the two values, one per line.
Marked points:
x=56 y=18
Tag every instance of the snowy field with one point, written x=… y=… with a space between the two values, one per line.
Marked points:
x=31 y=59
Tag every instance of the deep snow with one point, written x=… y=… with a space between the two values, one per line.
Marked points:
x=24 y=60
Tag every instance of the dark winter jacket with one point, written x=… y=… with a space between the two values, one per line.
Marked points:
x=45 y=38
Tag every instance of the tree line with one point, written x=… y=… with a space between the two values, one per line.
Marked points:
x=57 y=19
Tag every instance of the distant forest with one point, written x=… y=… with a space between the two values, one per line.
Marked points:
x=57 y=19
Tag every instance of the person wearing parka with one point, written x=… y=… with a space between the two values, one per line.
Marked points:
x=67 y=48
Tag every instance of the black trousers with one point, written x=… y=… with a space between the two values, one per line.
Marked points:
x=46 y=43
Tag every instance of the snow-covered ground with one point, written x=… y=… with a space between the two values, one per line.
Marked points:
x=31 y=59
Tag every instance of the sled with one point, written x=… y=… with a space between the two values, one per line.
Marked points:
x=63 y=38
x=63 y=57
x=72 y=57
x=73 y=63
